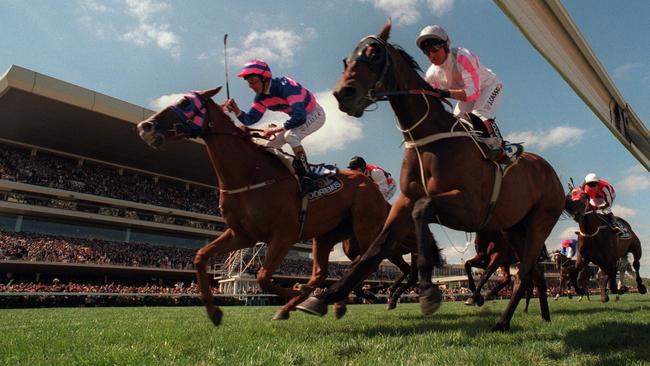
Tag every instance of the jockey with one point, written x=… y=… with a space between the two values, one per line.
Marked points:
x=281 y=94
x=379 y=176
x=457 y=73
x=601 y=198
x=569 y=248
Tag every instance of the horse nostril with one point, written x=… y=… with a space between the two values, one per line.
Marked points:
x=348 y=92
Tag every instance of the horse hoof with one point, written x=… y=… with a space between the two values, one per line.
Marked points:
x=216 y=317
x=391 y=305
x=469 y=301
x=642 y=289
x=557 y=297
x=430 y=300
x=370 y=297
x=339 y=311
x=480 y=300
x=604 y=298
x=281 y=315
x=617 y=298
x=500 y=327
x=313 y=306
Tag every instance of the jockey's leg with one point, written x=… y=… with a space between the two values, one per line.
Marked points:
x=485 y=108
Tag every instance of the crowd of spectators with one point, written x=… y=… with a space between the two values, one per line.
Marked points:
x=51 y=248
x=58 y=172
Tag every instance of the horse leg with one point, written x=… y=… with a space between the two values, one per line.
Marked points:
x=611 y=280
x=225 y=243
x=492 y=266
x=395 y=228
x=430 y=295
x=540 y=283
x=505 y=281
x=636 y=253
x=276 y=251
x=475 y=262
x=393 y=290
x=321 y=248
x=603 y=278
x=527 y=238
x=578 y=276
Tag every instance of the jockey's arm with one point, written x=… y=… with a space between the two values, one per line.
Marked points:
x=458 y=94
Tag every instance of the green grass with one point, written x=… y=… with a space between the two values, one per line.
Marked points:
x=581 y=333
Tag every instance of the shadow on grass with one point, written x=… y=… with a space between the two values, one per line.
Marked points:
x=604 y=309
x=613 y=342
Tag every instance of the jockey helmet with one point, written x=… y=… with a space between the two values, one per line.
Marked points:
x=357 y=162
x=433 y=32
x=256 y=67
x=591 y=177
x=566 y=243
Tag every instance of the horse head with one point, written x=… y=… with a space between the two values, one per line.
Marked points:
x=365 y=72
x=576 y=203
x=194 y=115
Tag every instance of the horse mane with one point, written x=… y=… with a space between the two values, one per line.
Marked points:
x=410 y=61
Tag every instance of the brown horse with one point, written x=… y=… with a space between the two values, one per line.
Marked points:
x=260 y=199
x=492 y=253
x=599 y=244
x=444 y=178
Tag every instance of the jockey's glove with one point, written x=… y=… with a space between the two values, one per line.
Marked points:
x=444 y=93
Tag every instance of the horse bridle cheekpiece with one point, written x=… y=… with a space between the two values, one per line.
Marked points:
x=192 y=111
x=377 y=62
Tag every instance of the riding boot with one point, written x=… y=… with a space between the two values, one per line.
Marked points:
x=302 y=168
x=613 y=223
x=494 y=142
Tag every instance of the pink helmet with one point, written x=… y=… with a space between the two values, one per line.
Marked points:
x=256 y=67
x=566 y=243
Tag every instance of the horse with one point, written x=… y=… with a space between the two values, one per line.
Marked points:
x=444 y=178
x=599 y=244
x=260 y=199
x=566 y=267
x=492 y=253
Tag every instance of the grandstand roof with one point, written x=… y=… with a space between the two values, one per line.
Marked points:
x=40 y=110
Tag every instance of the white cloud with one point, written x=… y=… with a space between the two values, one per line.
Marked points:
x=558 y=136
x=625 y=71
x=164 y=101
x=101 y=18
x=567 y=233
x=624 y=212
x=338 y=131
x=634 y=182
x=440 y=7
x=408 y=12
x=275 y=46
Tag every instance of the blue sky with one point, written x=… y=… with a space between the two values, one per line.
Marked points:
x=146 y=52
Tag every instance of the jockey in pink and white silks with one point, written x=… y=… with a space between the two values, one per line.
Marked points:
x=457 y=73
x=379 y=176
x=281 y=94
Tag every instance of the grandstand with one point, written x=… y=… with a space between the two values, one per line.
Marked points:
x=85 y=202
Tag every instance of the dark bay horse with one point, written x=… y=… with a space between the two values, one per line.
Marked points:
x=599 y=244
x=444 y=178
x=259 y=199
x=492 y=253
x=566 y=268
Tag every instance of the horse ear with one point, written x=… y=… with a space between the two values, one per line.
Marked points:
x=211 y=92
x=385 y=31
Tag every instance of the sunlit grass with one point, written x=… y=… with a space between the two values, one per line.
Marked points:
x=616 y=333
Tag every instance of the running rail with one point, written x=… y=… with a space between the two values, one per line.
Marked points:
x=549 y=28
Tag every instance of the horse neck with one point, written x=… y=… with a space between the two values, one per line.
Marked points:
x=410 y=109
x=235 y=159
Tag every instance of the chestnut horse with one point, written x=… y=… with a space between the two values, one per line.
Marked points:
x=444 y=179
x=599 y=244
x=260 y=201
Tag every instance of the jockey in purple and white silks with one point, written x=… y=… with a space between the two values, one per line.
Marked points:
x=457 y=73
x=281 y=94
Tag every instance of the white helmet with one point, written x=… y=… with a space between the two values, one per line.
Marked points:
x=431 y=32
x=591 y=177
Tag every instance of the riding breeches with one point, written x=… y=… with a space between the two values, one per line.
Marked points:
x=293 y=137
x=485 y=105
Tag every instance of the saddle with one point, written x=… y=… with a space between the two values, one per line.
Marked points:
x=619 y=226
x=512 y=151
